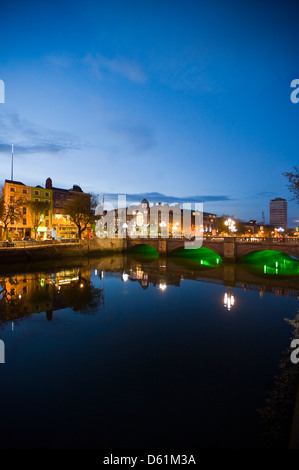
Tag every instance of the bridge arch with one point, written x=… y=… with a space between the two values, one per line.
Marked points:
x=203 y=255
x=215 y=248
x=255 y=254
x=144 y=249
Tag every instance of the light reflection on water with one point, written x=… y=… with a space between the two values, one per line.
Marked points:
x=140 y=352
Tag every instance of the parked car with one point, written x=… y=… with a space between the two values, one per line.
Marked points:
x=28 y=239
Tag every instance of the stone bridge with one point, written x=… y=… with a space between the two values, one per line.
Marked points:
x=231 y=249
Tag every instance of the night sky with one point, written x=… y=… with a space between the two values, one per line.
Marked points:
x=189 y=99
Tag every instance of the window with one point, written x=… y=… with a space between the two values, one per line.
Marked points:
x=47 y=223
x=13 y=190
x=36 y=200
x=24 y=221
x=11 y=198
x=24 y=210
x=36 y=193
x=47 y=194
x=25 y=191
x=47 y=201
x=47 y=212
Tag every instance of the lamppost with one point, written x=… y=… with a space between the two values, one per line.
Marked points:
x=231 y=225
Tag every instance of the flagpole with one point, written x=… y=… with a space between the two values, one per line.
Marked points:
x=12 y=162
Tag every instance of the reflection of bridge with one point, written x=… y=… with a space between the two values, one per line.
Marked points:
x=230 y=249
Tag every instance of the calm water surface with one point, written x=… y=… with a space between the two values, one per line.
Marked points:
x=135 y=352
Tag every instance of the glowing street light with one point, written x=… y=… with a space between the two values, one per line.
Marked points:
x=231 y=225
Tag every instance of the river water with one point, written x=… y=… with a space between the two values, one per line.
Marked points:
x=140 y=352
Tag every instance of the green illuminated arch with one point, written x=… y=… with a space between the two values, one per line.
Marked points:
x=272 y=262
x=200 y=256
x=143 y=250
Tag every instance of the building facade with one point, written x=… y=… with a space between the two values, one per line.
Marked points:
x=62 y=226
x=50 y=220
x=44 y=215
x=278 y=213
x=18 y=194
x=154 y=220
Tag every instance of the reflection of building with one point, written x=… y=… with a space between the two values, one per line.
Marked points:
x=25 y=294
x=158 y=276
x=278 y=213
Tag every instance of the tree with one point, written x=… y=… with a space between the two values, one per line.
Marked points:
x=37 y=210
x=293 y=179
x=81 y=210
x=10 y=212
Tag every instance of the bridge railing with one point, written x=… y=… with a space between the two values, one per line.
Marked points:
x=34 y=243
x=274 y=241
x=286 y=240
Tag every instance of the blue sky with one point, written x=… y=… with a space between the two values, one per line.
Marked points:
x=189 y=99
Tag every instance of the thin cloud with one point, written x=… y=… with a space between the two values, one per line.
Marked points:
x=28 y=138
x=122 y=66
x=163 y=198
x=139 y=138
x=62 y=60
x=99 y=65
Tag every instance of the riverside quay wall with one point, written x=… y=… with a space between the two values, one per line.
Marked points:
x=36 y=251
x=230 y=249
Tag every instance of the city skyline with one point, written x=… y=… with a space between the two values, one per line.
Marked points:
x=184 y=100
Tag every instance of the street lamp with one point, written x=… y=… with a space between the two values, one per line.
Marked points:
x=231 y=225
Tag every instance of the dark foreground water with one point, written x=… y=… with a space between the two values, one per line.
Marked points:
x=129 y=352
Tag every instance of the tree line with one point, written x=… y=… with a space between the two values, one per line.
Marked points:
x=80 y=208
